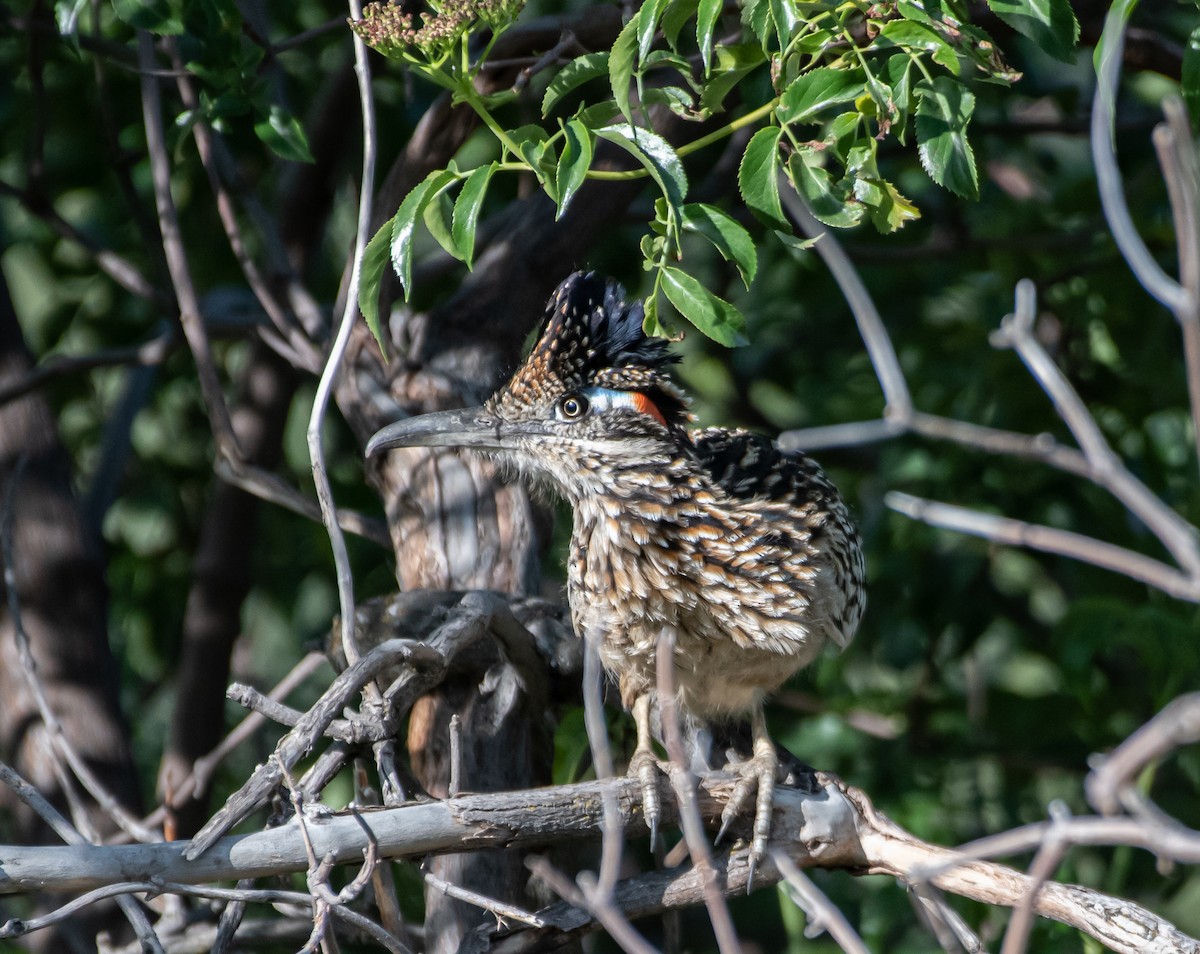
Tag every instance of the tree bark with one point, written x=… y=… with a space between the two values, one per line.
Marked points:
x=63 y=609
x=221 y=577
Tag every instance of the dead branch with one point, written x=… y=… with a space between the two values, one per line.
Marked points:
x=835 y=827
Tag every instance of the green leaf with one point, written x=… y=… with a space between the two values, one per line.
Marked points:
x=404 y=223
x=726 y=234
x=647 y=25
x=657 y=59
x=1051 y=24
x=712 y=315
x=943 y=113
x=911 y=35
x=815 y=42
x=533 y=145
x=599 y=114
x=1189 y=80
x=677 y=13
x=1118 y=16
x=374 y=264
x=574 y=162
x=797 y=244
x=675 y=98
x=655 y=154
x=706 y=23
x=620 y=66
x=436 y=214
x=758 y=177
x=898 y=73
x=787 y=20
x=817 y=90
x=161 y=17
x=587 y=67
x=650 y=321
x=466 y=212
x=282 y=132
x=889 y=209
x=733 y=62
x=756 y=16
x=828 y=202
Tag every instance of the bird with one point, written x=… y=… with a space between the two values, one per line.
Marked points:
x=743 y=553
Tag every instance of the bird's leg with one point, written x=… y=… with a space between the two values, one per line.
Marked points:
x=644 y=765
x=758 y=773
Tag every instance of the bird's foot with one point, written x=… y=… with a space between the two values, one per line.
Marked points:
x=644 y=767
x=758 y=776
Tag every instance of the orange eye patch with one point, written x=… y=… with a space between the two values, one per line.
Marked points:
x=602 y=399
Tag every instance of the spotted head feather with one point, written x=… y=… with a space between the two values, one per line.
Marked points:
x=592 y=337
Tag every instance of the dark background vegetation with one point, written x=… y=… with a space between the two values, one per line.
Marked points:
x=984 y=675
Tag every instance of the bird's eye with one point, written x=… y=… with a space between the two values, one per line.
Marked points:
x=573 y=407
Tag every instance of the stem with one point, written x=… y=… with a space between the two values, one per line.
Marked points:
x=751 y=117
x=466 y=89
x=723 y=133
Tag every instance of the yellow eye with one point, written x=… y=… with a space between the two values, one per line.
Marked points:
x=573 y=406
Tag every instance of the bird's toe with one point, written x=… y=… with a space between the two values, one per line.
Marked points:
x=644 y=767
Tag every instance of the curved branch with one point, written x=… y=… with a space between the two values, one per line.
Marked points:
x=1048 y=540
x=1108 y=176
x=870 y=325
x=835 y=827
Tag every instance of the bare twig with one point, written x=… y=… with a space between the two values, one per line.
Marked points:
x=946 y=924
x=177 y=262
x=152 y=352
x=119 y=269
x=823 y=915
x=1047 y=859
x=1016 y=332
x=40 y=805
x=492 y=905
x=455 y=755
x=613 y=844
x=301 y=350
x=1112 y=776
x=301 y=739
x=1108 y=176
x=1177 y=159
x=316 y=444
x=1106 y=468
x=355 y=731
x=684 y=784
x=123 y=890
x=1048 y=540
x=274 y=489
x=68 y=833
x=588 y=895
x=870 y=326
x=426 y=662
x=196 y=782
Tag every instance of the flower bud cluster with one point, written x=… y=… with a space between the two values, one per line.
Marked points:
x=385 y=27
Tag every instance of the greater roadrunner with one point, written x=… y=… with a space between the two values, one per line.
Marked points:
x=743 y=553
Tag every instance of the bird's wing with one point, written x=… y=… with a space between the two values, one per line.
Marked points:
x=799 y=502
x=749 y=466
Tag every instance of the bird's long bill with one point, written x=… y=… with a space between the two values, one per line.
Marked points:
x=467 y=427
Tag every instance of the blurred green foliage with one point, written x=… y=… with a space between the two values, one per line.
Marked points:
x=992 y=673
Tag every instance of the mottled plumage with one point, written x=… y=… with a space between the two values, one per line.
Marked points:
x=743 y=553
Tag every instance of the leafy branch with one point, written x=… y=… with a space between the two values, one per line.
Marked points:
x=825 y=82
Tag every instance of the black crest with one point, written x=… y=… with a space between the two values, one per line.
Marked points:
x=595 y=328
x=592 y=336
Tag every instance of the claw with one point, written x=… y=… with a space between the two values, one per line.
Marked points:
x=758 y=775
x=644 y=766
x=739 y=798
